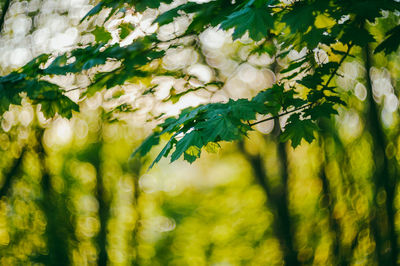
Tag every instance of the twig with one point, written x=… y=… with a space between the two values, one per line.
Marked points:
x=74 y=89
x=282 y=114
x=334 y=73
x=340 y=63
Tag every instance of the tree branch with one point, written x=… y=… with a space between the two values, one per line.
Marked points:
x=334 y=73
x=282 y=114
x=340 y=63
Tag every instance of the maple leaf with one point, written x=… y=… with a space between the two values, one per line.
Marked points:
x=254 y=20
x=297 y=129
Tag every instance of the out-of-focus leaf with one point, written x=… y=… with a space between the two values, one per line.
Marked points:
x=168 y=16
x=294 y=65
x=357 y=36
x=142 y=5
x=101 y=35
x=95 y=10
x=391 y=43
x=61 y=105
x=125 y=30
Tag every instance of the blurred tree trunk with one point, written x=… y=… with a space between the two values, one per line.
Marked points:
x=340 y=257
x=277 y=198
x=104 y=208
x=135 y=168
x=12 y=173
x=59 y=228
x=281 y=198
x=103 y=201
x=383 y=216
x=136 y=237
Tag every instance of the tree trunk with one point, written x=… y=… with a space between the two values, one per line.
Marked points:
x=11 y=174
x=57 y=214
x=339 y=258
x=383 y=217
x=277 y=200
x=104 y=206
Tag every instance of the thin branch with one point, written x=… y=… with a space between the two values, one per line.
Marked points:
x=340 y=63
x=74 y=89
x=282 y=114
x=334 y=73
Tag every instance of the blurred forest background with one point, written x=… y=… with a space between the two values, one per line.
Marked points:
x=71 y=194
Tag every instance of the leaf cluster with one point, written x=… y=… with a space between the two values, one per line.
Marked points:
x=273 y=26
x=207 y=125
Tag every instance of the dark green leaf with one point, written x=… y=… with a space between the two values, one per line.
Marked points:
x=165 y=151
x=391 y=43
x=145 y=147
x=255 y=20
x=357 y=36
x=297 y=129
x=322 y=110
x=192 y=138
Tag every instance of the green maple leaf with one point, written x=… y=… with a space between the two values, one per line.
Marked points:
x=193 y=141
x=145 y=147
x=33 y=67
x=51 y=98
x=244 y=109
x=212 y=147
x=315 y=36
x=356 y=35
x=186 y=117
x=192 y=154
x=8 y=95
x=325 y=109
x=165 y=151
x=221 y=128
x=289 y=100
x=271 y=98
x=300 y=16
x=297 y=129
x=142 y=5
x=311 y=81
x=256 y=20
x=61 y=105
